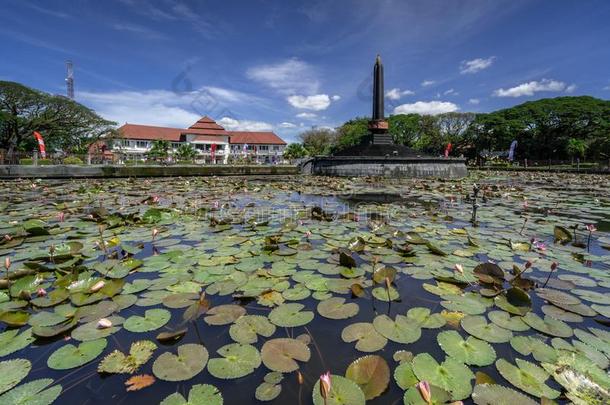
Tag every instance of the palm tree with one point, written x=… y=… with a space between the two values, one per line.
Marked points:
x=186 y=151
x=159 y=150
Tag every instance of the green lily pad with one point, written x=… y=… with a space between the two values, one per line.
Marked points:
x=290 y=315
x=190 y=361
x=381 y=293
x=32 y=393
x=478 y=327
x=438 y=396
x=12 y=372
x=425 y=319
x=343 y=391
x=400 y=330
x=12 y=341
x=527 y=345
x=91 y=330
x=200 y=394
x=247 y=328
x=562 y=315
x=548 y=325
x=371 y=373
x=452 y=376
x=366 y=337
x=494 y=394
x=70 y=356
x=336 y=308
x=117 y=362
x=404 y=375
x=281 y=354
x=153 y=319
x=224 y=314
x=504 y=320
x=527 y=377
x=237 y=360
x=267 y=391
x=470 y=351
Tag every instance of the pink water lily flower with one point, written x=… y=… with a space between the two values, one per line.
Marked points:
x=155 y=232
x=61 y=216
x=458 y=267
x=424 y=390
x=591 y=228
x=325 y=385
x=7 y=263
x=104 y=323
x=41 y=292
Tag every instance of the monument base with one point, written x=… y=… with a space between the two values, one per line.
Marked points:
x=381 y=166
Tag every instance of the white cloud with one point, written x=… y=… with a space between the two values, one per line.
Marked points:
x=530 y=88
x=451 y=92
x=138 y=30
x=396 y=93
x=316 y=102
x=606 y=88
x=474 y=101
x=307 y=116
x=476 y=65
x=232 y=124
x=288 y=77
x=427 y=83
x=287 y=125
x=571 y=88
x=426 y=108
x=336 y=97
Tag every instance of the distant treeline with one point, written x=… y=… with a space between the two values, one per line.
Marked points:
x=556 y=128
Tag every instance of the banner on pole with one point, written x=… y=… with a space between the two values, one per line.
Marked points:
x=213 y=152
x=448 y=149
x=511 y=152
x=41 y=147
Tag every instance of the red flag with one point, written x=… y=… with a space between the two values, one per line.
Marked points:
x=448 y=149
x=213 y=152
x=41 y=147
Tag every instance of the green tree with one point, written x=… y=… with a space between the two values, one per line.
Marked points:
x=576 y=148
x=351 y=133
x=65 y=124
x=318 y=141
x=295 y=151
x=404 y=128
x=159 y=150
x=186 y=151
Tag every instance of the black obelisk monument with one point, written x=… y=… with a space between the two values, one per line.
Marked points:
x=378 y=125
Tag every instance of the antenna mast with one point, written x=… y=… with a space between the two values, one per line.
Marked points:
x=70 y=79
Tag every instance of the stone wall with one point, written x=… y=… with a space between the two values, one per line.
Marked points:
x=393 y=167
x=75 y=171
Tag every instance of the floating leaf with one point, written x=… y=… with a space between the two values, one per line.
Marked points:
x=424 y=319
x=12 y=341
x=172 y=335
x=246 y=328
x=404 y=375
x=470 y=351
x=343 y=391
x=478 y=327
x=138 y=382
x=562 y=235
x=117 y=362
x=32 y=393
x=70 y=356
x=12 y=372
x=548 y=325
x=224 y=314
x=504 y=320
x=438 y=396
x=267 y=391
x=336 y=308
x=200 y=394
x=515 y=300
x=368 y=339
x=489 y=273
x=92 y=331
x=280 y=354
x=153 y=319
x=290 y=315
x=493 y=394
x=527 y=345
x=401 y=330
x=190 y=361
x=371 y=373
x=527 y=377
x=452 y=376
x=237 y=360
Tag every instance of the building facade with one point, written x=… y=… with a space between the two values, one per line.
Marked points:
x=210 y=140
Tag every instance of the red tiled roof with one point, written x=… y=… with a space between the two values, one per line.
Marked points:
x=147 y=132
x=208 y=126
x=253 y=138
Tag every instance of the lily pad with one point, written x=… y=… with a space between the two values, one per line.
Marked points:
x=343 y=391
x=366 y=337
x=200 y=394
x=70 y=356
x=267 y=391
x=527 y=377
x=190 y=361
x=504 y=320
x=478 y=327
x=438 y=396
x=494 y=394
x=290 y=315
x=153 y=319
x=237 y=360
x=336 y=308
x=425 y=319
x=117 y=362
x=452 y=376
x=527 y=345
x=247 y=328
x=548 y=325
x=400 y=330
x=224 y=314
x=371 y=373
x=281 y=354
x=35 y=392
x=12 y=372
x=12 y=341
x=404 y=375
x=470 y=351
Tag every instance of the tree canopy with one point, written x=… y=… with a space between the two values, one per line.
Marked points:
x=65 y=124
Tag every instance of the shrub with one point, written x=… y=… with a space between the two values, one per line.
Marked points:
x=41 y=162
x=26 y=161
x=72 y=160
x=45 y=162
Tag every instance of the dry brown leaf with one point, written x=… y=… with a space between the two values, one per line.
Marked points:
x=137 y=382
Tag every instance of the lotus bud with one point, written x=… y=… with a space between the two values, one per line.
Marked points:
x=591 y=228
x=300 y=378
x=325 y=385
x=7 y=263
x=41 y=292
x=8 y=238
x=104 y=323
x=155 y=232
x=388 y=283
x=61 y=216
x=528 y=264
x=97 y=286
x=424 y=390
x=458 y=267
x=553 y=266
x=308 y=234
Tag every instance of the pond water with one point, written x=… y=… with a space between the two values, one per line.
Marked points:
x=249 y=289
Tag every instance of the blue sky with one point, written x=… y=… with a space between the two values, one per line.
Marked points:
x=289 y=65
